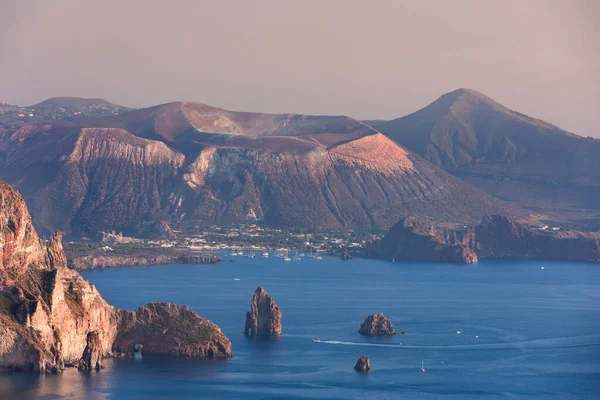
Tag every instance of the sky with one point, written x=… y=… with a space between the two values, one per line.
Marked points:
x=371 y=59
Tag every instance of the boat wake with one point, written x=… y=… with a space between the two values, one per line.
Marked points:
x=558 y=342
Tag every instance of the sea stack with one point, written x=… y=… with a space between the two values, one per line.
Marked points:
x=363 y=364
x=264 y=317
x=92 y=354
x=378 y=325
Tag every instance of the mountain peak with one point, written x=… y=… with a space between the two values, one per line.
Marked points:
x=468 y=100
x=69 y=102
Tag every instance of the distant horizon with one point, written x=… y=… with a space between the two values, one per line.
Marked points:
x=381 y=60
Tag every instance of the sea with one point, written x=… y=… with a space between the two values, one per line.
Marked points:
x=494 y=330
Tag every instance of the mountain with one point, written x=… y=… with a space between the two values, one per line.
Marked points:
x=191 y=164
x=13 y=117
x=74 y=103
x=505 y=153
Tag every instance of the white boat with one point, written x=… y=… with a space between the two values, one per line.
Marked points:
x=317 y=340
x=458 y=332
x=422 y=366
x=287 y=258
x=236 y=279
x=266 y=254
x=541 y=267
x=318 y=257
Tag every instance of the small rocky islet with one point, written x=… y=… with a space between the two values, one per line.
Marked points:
x=378 y=325
x=264 y=317
x=363 y=364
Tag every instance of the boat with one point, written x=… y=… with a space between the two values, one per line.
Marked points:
x=236 y=279
x=266 y=254
x=287 y=258
x=541 y=267
x=422 y=366
x=317 y=340
x=458 y=332
x=317 y=256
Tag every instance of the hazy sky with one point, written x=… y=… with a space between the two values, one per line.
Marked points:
x=368 y=59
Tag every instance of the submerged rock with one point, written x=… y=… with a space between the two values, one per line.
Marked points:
x=264 y=317
x=363 y=364
x=377 y=325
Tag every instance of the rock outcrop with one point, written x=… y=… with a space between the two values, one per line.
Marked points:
x=419 y=239
x=496 y=237
x=377 y=325
x=92 y=354
x=50 y=317
x=166 y=329
x=264 y=317
x=363 y=364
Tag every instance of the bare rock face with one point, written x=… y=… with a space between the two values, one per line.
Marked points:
x=419 y=239
x=264 y=317
x=292 y=171
x=92 y=354
x=50 y=317
x=496 y=237
x=363 y=364
x=377 y=325
x=166 y=329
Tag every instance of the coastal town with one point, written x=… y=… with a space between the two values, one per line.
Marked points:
x=249 y=240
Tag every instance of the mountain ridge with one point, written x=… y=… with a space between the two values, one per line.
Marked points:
x=287 y=170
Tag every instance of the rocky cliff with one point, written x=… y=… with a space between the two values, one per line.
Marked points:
x=187 y=164
x=264 y=317
x=419 y=239
x=495 y=237
x=51 y=317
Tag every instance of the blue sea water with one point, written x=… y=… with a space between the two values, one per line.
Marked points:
x=525 y=332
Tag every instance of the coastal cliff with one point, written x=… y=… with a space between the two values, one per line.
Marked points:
x=496 y=237
x=419 y=239
x=50 y=317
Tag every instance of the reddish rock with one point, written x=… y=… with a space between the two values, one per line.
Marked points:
x=50 y=317
x=377 y=325
x=92 y=354
x=496 y=237
x=419 y=239
x=264 y=317
x=363 y=364
x=167 y=329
